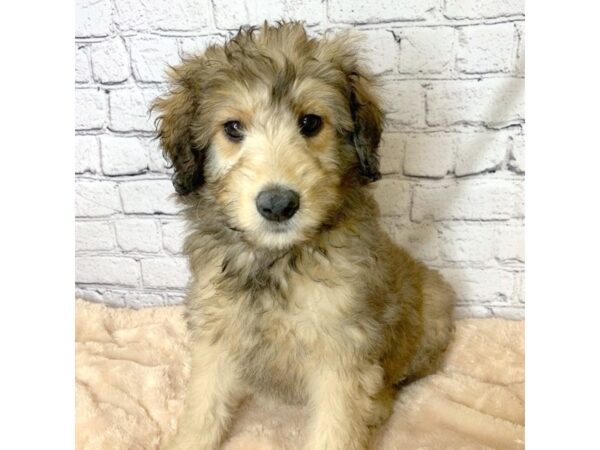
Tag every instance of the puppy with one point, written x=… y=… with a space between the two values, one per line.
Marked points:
x=296 y=291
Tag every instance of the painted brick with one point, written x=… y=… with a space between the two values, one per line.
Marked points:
x=509 y=312
x=87 y=154
x=138 y=14
x=91 y=295
x=519 y=294
x=478 y=152
x=486 y=48
x=99 y=296
x=426 y=50
x=420 y=241
x=121 y=298
x=171 y=15
x=130 y=109
x=520 y=64
x=493 y=101
x=123 y=155
x=464 y=311
x=197 y=44
x=94 y=236
x=381 y=11
x=96 y=198
x=519 y=190
x=107 y=270
x=229 y=16
x=92 y=18
x=517 y=153
x=138 y=235
x=393 y=196
x=157 y=161
x=110 y=61
x=151 y=57
x=474 y=243
x=391 y=152
x=174 y=299
x=181 y=15
x=478 y=9
x=429 y=155
x=468 y=200
x=173 y=234
x=165 y=272
x=90 y=108
x=404 y=102
x=83 y=72
x=510 y=243
x=148 y=197
x=381 y=49
x=480 y=285
x=142 y=299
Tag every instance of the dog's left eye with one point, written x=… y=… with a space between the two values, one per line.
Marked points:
x=234 y=130
x=310 y=124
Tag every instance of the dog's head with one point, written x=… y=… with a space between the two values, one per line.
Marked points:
x=275 y=126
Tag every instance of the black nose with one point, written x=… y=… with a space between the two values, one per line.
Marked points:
x=277 y=204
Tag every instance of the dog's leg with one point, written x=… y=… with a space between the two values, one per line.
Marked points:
x=343 y=406
x=438 y=327
x=213 y=393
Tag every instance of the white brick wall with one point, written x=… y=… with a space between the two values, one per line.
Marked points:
x=123 y=155
x=426 y=50
x=452 y=155
x=110 y=61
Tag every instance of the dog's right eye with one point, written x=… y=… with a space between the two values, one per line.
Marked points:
x=310 y=124
x=234 y=130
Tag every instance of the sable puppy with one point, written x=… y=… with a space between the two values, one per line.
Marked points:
x=296 y=291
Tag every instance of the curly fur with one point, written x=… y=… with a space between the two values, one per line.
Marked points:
x=327 y=310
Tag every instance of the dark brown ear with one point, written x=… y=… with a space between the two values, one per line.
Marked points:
x=177 y=110
x=368 y=124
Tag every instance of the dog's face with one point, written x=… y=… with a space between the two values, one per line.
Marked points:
x=275 y=127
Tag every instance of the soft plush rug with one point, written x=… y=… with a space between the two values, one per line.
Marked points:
x=131 y=372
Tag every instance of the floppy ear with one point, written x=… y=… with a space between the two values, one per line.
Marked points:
x=368 y=124
x=177 y=110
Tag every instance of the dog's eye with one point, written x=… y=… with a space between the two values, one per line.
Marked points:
x=310 y=124
x=234 y=130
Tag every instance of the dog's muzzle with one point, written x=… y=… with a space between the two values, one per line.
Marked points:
x=277 y=204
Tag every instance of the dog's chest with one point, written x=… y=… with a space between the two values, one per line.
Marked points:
x=280 y=340
x=305 y=319
x=285 y=342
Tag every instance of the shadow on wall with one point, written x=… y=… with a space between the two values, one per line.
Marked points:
x=457 y=173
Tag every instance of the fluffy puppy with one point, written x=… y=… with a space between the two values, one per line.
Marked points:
x=296 y=291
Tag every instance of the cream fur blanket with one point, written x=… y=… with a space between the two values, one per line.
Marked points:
x=130 y=379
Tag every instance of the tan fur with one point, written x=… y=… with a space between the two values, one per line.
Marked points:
x=327 y=311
